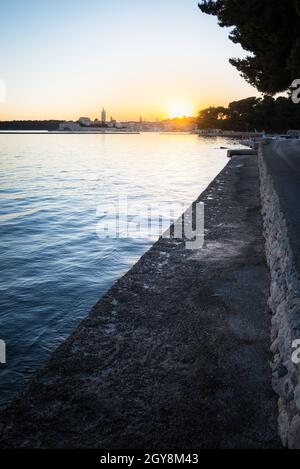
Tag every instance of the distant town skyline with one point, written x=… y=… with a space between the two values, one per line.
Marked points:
x=157 y=59
x=103 y=118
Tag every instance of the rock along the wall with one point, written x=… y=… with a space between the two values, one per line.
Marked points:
x=284 y=302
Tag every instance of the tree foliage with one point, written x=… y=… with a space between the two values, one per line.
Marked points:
x=30 y=125
x=270 y=31
x=250 y=114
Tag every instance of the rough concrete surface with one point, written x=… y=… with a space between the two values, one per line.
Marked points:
x=176 y=354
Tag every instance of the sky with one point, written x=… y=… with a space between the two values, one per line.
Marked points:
x=63 y=59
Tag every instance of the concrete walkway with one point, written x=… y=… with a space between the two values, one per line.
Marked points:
x=282 y=158
x=176 y=354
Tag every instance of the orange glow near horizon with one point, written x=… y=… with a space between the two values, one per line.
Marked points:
x=120 y=111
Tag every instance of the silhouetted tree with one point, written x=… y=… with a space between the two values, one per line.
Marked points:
x=211 y=117
x=270 y=31
x=267 y=113
x=30 y=125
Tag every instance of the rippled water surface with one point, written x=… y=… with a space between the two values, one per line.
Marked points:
x=54 y=266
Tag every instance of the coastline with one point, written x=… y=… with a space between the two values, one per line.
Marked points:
x=54 y=132
x=175 y=354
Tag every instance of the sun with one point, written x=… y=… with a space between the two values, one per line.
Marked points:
x=180 y=109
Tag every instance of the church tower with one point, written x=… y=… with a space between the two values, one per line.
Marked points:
x=103 y=116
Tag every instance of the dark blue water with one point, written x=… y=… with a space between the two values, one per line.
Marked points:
x=55 y=263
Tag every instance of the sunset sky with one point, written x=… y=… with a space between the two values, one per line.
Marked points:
x=68 y=58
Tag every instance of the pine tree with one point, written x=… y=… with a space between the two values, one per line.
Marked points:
x=270 y=31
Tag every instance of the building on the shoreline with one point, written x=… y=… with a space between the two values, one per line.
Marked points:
x=112 y=123
x=70 y=126
x=228 y=133
x=140 y=125
x=77 y=127
x=85 y=121
x=210 y=132
x=293 y=133
x=103 y=116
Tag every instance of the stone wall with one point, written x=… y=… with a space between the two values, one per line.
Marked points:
x=284 y=302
